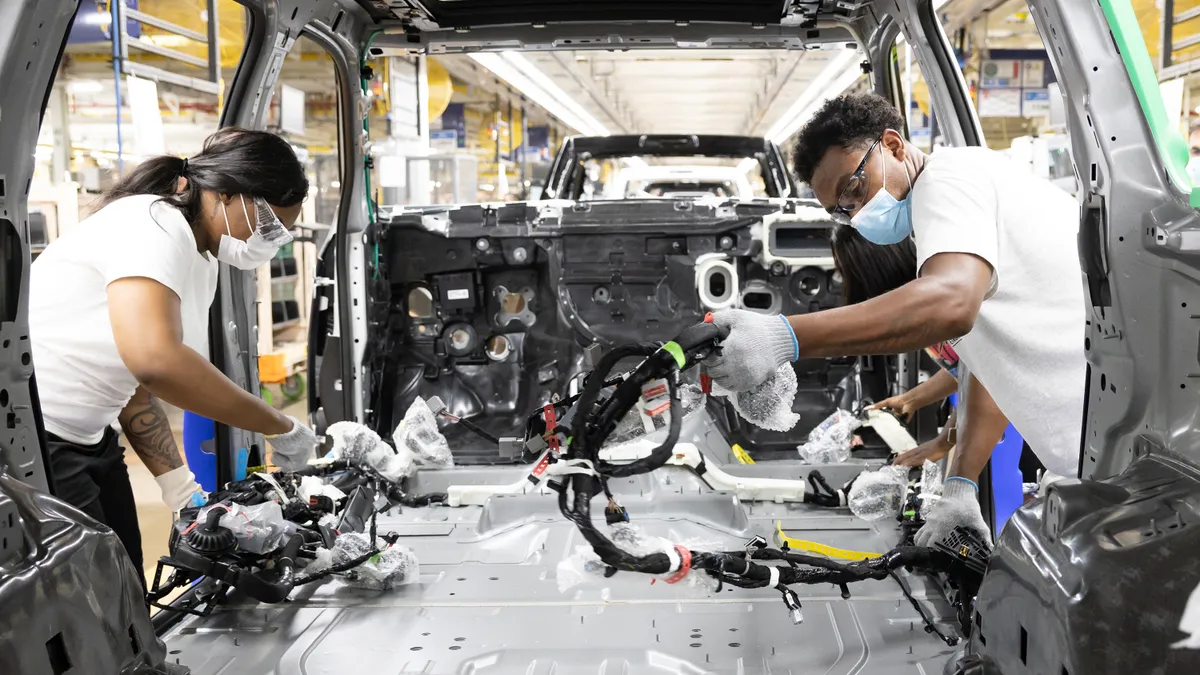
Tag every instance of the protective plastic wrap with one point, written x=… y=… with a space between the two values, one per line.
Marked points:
x=393 y=566
x=831 y=440
x=931 y=486
x=259 y=529
x=583 y=567
x=418 y=432
x=769 y=405
x=633 y=425
x=879 y=494
x=357 y=444
x=312 y=486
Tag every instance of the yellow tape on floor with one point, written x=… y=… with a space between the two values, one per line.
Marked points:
x=822 y=549
x=740 y=454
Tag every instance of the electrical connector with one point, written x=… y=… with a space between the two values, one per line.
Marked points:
x=615 y=513
x=511 y=446
x=756 y=542
x=436 y=405
x=793 y=604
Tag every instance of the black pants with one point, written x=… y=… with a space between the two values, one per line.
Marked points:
x=1030 y=465
x=95 y=480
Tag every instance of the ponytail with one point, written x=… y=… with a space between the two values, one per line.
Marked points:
x=869 y=270
x=233 y=162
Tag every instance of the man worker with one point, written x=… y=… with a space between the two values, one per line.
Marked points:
x=998 y=278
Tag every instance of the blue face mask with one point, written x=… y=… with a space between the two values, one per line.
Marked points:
x=884 y=219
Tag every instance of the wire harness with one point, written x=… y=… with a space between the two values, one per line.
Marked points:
x=579 y=473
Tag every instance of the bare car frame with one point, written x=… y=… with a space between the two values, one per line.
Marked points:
x=1093 y=578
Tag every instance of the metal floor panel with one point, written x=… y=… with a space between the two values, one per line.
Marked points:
x=488 y=598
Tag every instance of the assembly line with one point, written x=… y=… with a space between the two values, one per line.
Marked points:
x=498 y=337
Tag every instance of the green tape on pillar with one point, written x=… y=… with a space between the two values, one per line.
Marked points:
x=675 y=350
x=1172 y=147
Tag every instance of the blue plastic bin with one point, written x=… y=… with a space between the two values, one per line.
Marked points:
x=198 y=434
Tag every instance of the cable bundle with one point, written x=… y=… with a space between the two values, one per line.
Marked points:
x=580 y=474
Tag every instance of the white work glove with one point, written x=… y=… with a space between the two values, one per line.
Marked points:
x=180 y=489
x=757 y=345
x=958 y=506
x=293 y=449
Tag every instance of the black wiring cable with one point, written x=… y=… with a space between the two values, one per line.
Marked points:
x=585 y=475
x=659 y=455
x=475 y=429
x=930 y=625
x=349 y=564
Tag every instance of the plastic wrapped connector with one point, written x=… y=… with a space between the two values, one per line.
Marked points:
x=359 y=445
x=258 y=529
x=312 y=486
x=584 y=567
x=636 y=423
x=879 y=494
x=354 y=443
x=769 y=405
x=931 y=486
x=418 y=433
x=391 y=567
x=831 y=440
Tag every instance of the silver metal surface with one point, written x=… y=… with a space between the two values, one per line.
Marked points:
x=488 y=599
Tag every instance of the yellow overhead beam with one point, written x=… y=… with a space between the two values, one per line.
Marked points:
x=231 y=22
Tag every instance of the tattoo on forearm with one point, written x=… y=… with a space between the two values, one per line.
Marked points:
x=149 y=432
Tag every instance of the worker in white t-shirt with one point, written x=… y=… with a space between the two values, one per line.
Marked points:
x=998 y=279
x=118 y=315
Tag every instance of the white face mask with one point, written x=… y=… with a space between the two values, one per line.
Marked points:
x=1193 y=169
x=268 y=237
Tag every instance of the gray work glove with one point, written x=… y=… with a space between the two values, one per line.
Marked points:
x=757 y=345
x=958 y=506
x=293 y=449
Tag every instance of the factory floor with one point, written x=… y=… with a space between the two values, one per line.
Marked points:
x=153 y=516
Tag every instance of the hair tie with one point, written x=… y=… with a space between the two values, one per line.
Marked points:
x=183 y=169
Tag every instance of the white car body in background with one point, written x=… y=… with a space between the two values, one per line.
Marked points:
x=630 y=178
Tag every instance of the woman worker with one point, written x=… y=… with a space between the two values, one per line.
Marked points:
x=118 y=314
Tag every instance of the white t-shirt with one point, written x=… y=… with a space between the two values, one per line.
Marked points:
x=1026 y=346
x=82 y=382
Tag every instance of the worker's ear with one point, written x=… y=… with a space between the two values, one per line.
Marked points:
x=894 y=143
x=180 y=185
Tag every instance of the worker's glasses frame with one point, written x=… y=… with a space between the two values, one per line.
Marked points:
x=268 y=225
x=855 y=185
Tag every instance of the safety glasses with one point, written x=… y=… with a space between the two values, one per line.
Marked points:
x=853 y=193
x=268 y=226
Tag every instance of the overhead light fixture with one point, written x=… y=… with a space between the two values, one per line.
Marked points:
x=96 y=18
x=838 y=74
x=539 y=88
x=85 y=86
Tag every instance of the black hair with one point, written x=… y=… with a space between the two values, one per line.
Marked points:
x=870 y=270
x=850 y=121
x=233 y=161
